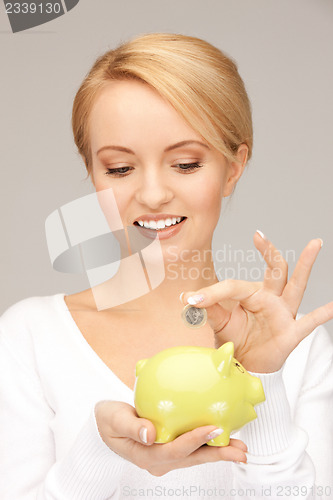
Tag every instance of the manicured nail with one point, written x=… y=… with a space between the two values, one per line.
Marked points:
x=143 y=434
x=321 y=242
x=195 y=299
x=241 y=463
x=181 y=297
x=214 y=434
x=261 y=234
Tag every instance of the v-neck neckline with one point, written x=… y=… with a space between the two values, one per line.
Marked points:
x=78 y=335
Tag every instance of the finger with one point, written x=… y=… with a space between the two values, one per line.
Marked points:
x=236 y=290
x=237 y=443
x=201 y=455
x=216 y=453
x=124 y=422
x=310 y=321
x=276 y=273
x=189 y=442
x=207 y=454
x=295 y=288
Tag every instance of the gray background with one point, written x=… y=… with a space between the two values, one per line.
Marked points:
x=284 y=52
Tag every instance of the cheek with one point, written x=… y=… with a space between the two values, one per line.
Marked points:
x=207 y=197
x=114 y=202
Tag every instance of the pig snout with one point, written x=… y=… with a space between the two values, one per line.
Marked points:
x=256 y=393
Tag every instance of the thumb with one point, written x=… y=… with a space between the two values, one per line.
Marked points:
x=125 y=423
x=218 y=315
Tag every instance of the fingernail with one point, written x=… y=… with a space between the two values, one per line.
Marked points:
x=195 y=299
x=181 y=297
x=214 y=434
x=241 y=463
x=143 y=434
x=261 y=234
x=321 y=242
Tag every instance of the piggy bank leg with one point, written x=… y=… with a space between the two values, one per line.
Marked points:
x=221 y=440
x=163 y=435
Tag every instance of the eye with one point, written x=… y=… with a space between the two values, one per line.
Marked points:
x=118 y=172
x=189 y=167
x=240 y=368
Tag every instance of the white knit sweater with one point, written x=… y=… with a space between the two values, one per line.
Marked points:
x=50 y=448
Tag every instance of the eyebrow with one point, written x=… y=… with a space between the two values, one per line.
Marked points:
x=169 y=148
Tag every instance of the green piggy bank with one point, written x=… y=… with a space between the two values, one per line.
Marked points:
x=185 y=387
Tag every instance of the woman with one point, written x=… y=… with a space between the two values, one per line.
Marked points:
x=164 y=123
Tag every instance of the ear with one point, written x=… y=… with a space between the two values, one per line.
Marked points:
x=235 y=170
x=223 y=357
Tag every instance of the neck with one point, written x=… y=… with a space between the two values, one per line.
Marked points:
x=155 y=288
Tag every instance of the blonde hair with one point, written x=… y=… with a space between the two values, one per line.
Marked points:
x=196 y=78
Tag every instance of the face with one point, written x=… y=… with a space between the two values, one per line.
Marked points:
x=165 y=177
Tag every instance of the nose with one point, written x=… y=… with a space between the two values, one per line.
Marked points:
x=153 y=189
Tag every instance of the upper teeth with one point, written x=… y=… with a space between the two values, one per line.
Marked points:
x=159 y=224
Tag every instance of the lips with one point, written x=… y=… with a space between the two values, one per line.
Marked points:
x=167 y=232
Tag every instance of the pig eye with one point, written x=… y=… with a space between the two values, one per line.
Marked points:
x=240 y=368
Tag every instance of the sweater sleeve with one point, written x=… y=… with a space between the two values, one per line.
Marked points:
x=28 y=468
x=291 y=455
x=314 y=410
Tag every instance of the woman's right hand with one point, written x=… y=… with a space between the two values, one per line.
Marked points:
x=122 y=431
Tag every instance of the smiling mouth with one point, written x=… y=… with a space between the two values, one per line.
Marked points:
x=162 y=225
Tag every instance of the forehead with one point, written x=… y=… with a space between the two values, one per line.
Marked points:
x=129 y=112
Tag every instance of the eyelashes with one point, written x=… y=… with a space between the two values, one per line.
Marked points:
x=124 y=171
x=118 y=172
x=189 y=167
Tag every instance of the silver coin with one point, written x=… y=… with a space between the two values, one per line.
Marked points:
x=194 y=317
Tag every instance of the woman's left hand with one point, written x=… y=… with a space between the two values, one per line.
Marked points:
x=259 y=317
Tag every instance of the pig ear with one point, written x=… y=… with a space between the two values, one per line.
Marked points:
x=223 y=357
x=140 y=364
